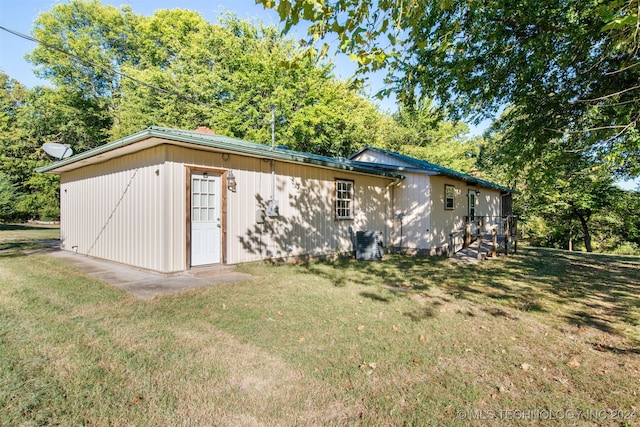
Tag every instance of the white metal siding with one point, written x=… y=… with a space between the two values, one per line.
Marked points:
x=446 y=221
x=382 y=158
x=306 y=223
x=413 y=199
x=114 y=210
x=488 y=205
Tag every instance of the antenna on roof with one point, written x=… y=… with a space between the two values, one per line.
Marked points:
x=59 y=151
x=273 y=126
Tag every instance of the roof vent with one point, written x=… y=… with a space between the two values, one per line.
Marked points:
x=204 y=129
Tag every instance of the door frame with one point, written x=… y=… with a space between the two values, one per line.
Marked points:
x=223 y=210
x=471 y=194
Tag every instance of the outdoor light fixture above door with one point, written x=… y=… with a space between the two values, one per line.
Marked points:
x=231 y=181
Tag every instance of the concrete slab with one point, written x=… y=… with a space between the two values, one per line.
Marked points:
x=147 y=284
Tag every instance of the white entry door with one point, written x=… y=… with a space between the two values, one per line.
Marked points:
x=206 y=229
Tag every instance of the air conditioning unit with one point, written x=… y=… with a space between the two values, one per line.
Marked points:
x=369 y=245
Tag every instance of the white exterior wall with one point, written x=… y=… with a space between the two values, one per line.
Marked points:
x=489 y=205
x=115 y=210
x=413 y=200
x=426 y=225
x=445 y=221
x=380 y=158
x=306 y=194
x=132 y=209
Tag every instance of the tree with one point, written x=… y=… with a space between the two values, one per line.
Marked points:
x=8 y=199
x=184 y=72
x=571 y=67
x=562 y=185
x=84 y=45
x=422 y=131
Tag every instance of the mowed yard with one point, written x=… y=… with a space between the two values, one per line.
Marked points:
x=406 y=341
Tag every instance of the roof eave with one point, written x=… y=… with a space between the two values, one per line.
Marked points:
x=146 y=133
x=226 y=144
x=437 y=169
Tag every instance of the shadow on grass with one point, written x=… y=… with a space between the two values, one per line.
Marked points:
x=27 y=227
x=582 y=289
x=421 y=314
x=615 y=350
x=374 y=297
x=16 y=249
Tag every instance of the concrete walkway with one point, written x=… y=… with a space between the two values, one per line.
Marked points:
x=147 y=284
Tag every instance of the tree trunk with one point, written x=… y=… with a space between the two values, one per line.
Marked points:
x=570 y=236
x=585 y=229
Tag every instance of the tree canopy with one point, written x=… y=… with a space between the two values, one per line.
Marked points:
x=176 y=69
x=114 y=72
x=572 y=68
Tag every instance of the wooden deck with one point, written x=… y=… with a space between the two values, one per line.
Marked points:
x=481 y=248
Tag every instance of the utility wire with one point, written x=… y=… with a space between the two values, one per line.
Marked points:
x=111 y=70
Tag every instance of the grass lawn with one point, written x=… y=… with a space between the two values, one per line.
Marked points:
x=406 y=341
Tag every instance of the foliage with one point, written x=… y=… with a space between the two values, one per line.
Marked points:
x=32 y=118
x=567 y=193
x=8 y=198
x=422 y=131
x=181 y=72
x=184 y=72
x=571 y=67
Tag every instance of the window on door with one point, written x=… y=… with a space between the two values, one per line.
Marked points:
x=472 y=205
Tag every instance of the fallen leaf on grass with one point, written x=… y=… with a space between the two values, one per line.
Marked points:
x=422 y=338
x=395 y=328
x=301 y=339
x=525 y=366
x=573 y=362
x=280 y=313
x=360 y=327
x=224 y=306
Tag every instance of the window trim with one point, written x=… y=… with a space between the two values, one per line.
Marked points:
x=447 y=198
x=338 y=200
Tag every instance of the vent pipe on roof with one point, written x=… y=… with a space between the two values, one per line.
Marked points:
x=204 y=129
x=273 y=126
x=273 y=143
x=273 y=208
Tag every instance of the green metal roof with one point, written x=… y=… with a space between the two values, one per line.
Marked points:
x=222 y=143
x=423 y=165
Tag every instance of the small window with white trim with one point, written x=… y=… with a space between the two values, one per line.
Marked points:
x=449 y=196
x=344 y=199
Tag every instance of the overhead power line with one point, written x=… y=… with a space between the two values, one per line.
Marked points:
x=112 y=71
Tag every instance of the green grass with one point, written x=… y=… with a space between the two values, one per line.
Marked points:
x=402 y=342
x=15 y=238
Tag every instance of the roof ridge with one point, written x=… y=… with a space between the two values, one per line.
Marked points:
x=424 y=164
